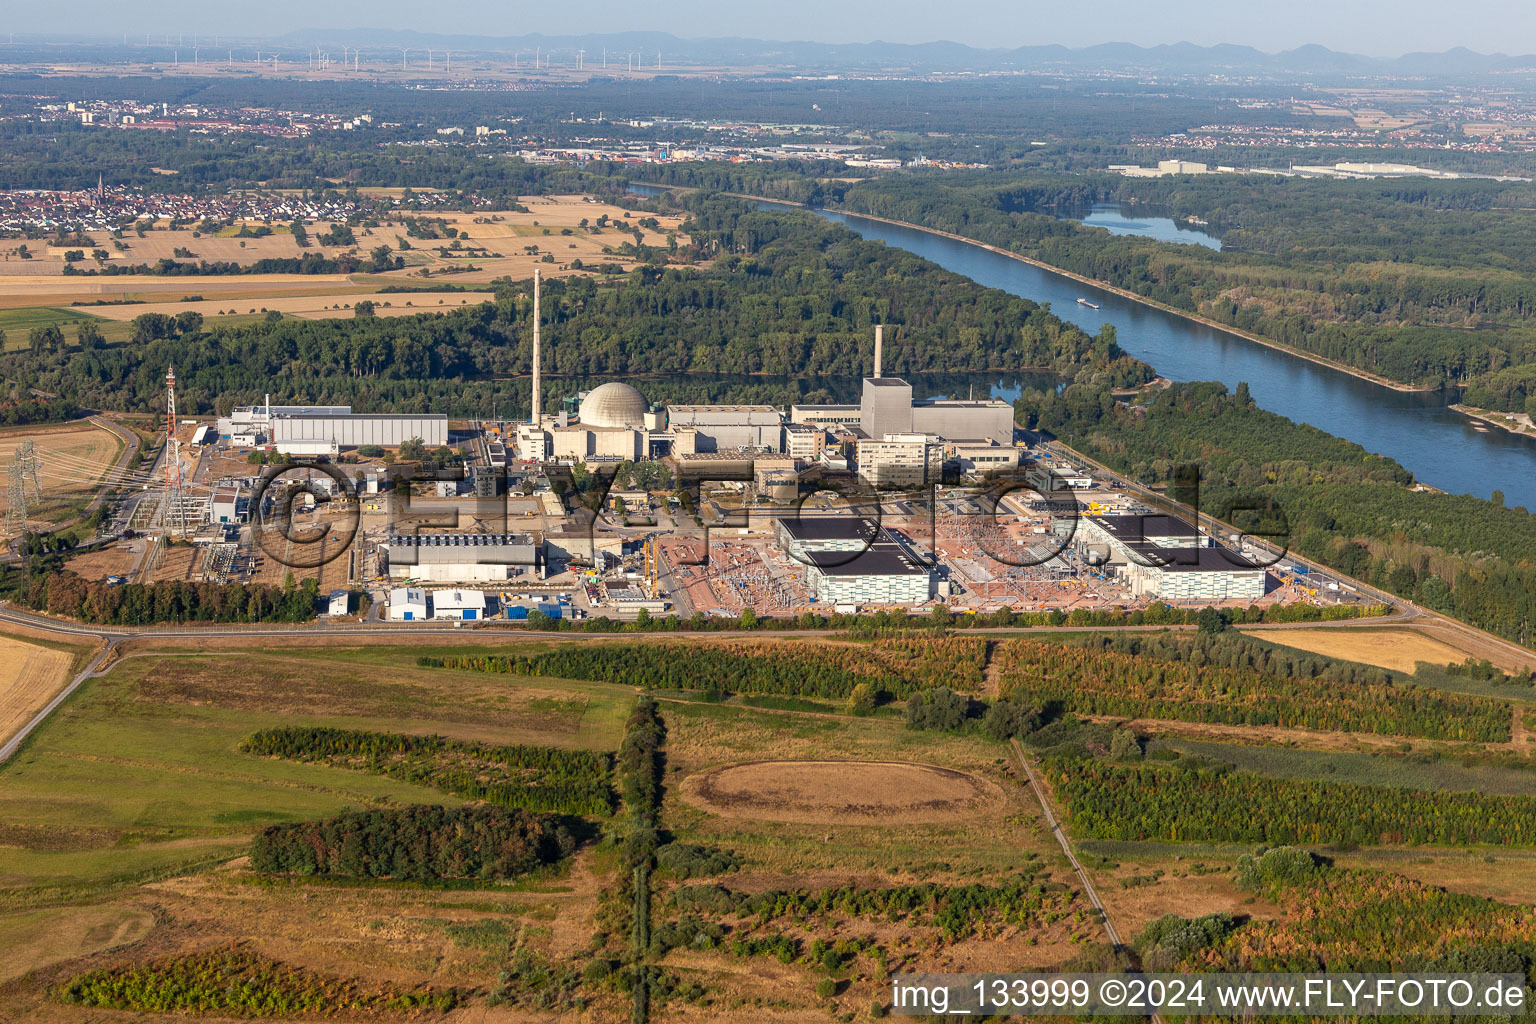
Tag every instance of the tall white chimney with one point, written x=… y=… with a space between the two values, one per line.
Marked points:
x=534 y=419
x=879 y=344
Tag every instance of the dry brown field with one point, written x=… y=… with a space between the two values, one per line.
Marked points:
x=29 y=677
x=868 y=792
x=309 y=307
x=1395 y=649
x=75 y=457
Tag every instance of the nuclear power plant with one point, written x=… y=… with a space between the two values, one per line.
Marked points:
x=897 y=441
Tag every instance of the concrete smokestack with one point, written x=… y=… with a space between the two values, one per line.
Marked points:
x=534 y=419
x=879 y=345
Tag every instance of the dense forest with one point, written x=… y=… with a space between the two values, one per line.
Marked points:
x=419 y=843
x=787 y=294
x=1323 y=497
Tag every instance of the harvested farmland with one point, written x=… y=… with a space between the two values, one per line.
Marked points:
x=1104 y=682
x=815 y=792
x=29 y=677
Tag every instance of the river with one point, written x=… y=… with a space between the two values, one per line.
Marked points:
x=1438 y=445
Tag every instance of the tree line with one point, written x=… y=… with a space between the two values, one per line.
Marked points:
x=68 y=594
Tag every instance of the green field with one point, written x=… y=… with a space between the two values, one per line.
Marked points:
x=139 y=773
x=18 y=323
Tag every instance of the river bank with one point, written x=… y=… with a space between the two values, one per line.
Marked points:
x=1498 y=420
x=1365 y=375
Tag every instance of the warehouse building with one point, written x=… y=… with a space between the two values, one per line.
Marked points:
x=881 y=574
x=721 y=428
x=460 y=557
x=350 y=430
x=249 y=425
x=465 y=605
x=1166 y=558
x=408 y=604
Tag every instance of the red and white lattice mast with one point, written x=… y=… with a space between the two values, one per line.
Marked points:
x=172 y=458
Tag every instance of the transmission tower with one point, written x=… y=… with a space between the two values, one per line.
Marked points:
x=172 y=462
x=24 y=464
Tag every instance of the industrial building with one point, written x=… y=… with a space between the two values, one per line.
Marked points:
x=251 y=425
x=880 y=574
x=339 y=602
x=408 y=604
x=460 y=557
x=804 y=442
x=886 y=407
x=720 y=428
x=1166 y=558
x=350 y=430
x=801 y=536
x=978 y=458
x=849 y=560
x=776 y=478
x=465 y=605
x=900 y=460
x=611 y=423
x=1048 y=477
x=230 y=503
x=308 y=447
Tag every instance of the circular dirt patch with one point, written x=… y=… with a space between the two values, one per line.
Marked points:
x=832 y=792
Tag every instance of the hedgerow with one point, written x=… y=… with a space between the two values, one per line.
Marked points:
x=534 y=778
x=1213 y=804
x=897 y=666
x=242 y=984
x=1109 y=682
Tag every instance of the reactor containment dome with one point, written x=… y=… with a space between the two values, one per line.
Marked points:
x=614 y=405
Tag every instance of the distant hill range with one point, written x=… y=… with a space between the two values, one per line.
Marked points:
x=1179 y=58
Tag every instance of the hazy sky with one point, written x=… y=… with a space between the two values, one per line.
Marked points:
x=1378 y=27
